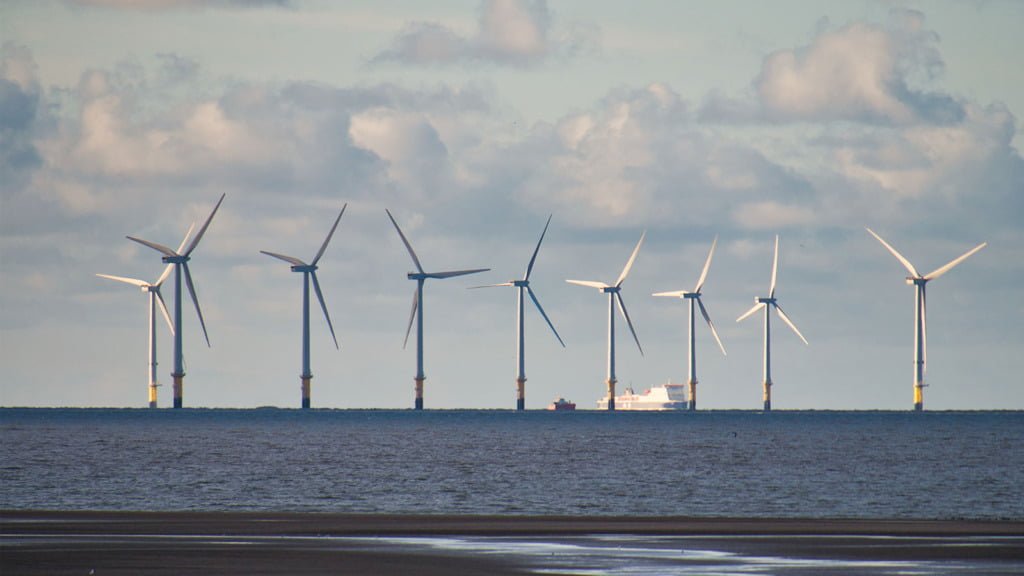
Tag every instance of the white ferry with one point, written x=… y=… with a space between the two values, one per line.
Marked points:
x=665 y=397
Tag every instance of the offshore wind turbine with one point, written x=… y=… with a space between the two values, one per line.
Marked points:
x=180 y=260
x=614 y=296
x=524 y=285
x=420 y=276
x=920 y=312
x=694 y=297
x=768 y=303
x=309 y=273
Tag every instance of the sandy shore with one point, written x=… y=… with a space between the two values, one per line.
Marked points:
x=186 y=543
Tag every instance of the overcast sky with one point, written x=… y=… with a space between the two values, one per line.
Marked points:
x=472 y=121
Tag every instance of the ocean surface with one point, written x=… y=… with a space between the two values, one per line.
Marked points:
x=816 y=464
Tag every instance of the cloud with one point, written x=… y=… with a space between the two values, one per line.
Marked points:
x=158 y=5
x=19 y=103
x=509 y=32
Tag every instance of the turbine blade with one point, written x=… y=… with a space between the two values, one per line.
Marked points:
x=491 y=285
x=185 y=239
x=412 y=315
x=598 y=285
x=906 y=263
x=163 y=308
x=329 y=235
x=707 y=265
x=775 y=268
x=707 y=318
x=192 y=292
x=202 y=231
x=546 y=319
x=529 y=267
x=135 y=281
x=323 y=306
x=788 y=322
x=756 y=307
x=950 y=266
x=163 y=277
x=453 y=273
x=629 y=264
x=408 y=246
x=625 y=315
x=158 y=247
x=676 y=294
x=289 y=259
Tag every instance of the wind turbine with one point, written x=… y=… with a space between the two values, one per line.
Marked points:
x=180 y=260
x=693 y=297
x=769 y=303
x=520 y=286
x=920 y=313
x=309 y=272
x=417 y=306
x=614 y=297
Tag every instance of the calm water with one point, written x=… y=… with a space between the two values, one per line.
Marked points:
x=807 y=464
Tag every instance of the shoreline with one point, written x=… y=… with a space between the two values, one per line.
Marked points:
x=114 y=542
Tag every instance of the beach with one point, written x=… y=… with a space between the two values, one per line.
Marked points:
x=101 y=543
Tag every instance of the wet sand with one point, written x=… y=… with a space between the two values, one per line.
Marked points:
x=187 y=543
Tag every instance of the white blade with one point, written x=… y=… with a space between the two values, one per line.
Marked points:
x=167 y=272
x=329 y=235
x=625 y=315
x=187 y=235
x=408 y=246
x=950 y=266
x=454 y=273
x=629 y=264
x=202 y=231
x=598 y=285
x=323 y=306
x=756 y=307
x=492 y=285
x=529 y=268
x=707 y=265
x=707 y=318
x=775 y=268
x=906 y=263
x=289 y=259
x=135 y=281
x=163 y=308
x=788 y=322
x=676 y=294
x=412 y=315
x=541 y=310
x=195 y=300
x=158 y=247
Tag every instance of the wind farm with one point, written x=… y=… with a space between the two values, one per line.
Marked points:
x=180 y=261
x=767 y=303
x=919 y=281
x=521 y=286
x=615 y=298
x=420 y=276
x=308 y=272
x=693 y=297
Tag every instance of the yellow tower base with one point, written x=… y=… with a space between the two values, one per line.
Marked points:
x=919 y=396
x=305 y=390
x=419 y=393
x=152 y=394
x=178 y=386
x=767 y=396
x=611 y=393
x=693 y=395
x=520 y=393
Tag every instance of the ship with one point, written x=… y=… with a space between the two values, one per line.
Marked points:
x=562 y=404
x=664 y=397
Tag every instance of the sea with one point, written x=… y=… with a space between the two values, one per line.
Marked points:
x=807 y=464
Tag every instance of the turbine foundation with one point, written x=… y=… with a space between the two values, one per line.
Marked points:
x=919 y=396
x=611 y=393
x=177 y=386
x=693 y=395
x=305 y=390
x=419 y=393
x=152 y=394
x=767 y=396
x=520 y=393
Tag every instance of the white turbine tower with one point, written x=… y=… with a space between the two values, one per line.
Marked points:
x=420 y=277
x=769 y=303
x=920 y=313
x=309 y=273
x=615 y=297
x=520 y=286
x=694 y=297
x=180 y=260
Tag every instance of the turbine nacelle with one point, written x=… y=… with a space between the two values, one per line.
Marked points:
x=305 y=268
x=916 y=281
x=178 y=259
x=520 y=283
x=764 y=300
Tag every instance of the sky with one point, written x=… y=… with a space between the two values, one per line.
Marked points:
x=472 y=122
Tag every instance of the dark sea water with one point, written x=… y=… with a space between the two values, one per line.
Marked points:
x=731 y=463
